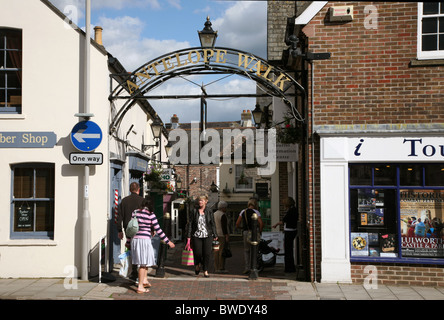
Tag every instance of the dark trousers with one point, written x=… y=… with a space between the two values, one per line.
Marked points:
x=289 y=237
x=202 y=250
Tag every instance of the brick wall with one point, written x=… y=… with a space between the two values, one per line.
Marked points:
x=204 y=174
x=390 y=274
x=369 y=78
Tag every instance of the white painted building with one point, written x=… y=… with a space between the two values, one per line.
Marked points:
x=41 y=203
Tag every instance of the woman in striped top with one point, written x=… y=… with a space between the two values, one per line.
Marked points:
x=142 y=251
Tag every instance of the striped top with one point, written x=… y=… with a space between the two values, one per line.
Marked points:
x=147 y=224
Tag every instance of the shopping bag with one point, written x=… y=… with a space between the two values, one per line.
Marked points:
x=125 y=261
x=226 y=253
x=187 y=257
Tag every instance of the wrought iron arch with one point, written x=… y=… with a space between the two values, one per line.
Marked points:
x=203 y=61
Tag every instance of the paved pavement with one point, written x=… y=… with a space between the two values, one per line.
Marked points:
x=180 y=284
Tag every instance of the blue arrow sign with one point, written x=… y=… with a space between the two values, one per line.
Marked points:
x=86 y=136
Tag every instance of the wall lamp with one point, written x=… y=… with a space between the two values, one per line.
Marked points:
x=178 y=183
x=262 y=115
x=214 y=187
x=207 y=36
x=156 y=128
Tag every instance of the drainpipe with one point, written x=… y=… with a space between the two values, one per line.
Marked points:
x=313 y=168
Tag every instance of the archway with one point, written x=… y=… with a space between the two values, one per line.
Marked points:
x=272 y=80
x=139 y=84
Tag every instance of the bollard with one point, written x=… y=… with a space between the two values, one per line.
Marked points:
x=161 y=256
x=253 y=248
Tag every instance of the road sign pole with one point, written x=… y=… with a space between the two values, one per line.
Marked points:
x=86 y=219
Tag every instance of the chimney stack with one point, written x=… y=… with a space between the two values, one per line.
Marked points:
x=174 y=121
x=98 y=35
x=246 y=119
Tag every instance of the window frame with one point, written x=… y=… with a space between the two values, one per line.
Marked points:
x=397 y=187
x=426 y=55
x=45 y=235
x=242 y=168
x=16 y=108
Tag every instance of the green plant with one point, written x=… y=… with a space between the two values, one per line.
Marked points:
x=288 y=132
x=153 y=173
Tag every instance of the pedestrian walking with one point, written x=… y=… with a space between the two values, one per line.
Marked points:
x=221 y=220
x=126 y=207
x=201 y=231
x=142 y=252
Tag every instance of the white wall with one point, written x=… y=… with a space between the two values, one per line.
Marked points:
x=52 y=94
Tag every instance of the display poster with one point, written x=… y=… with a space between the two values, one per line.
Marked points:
x=360 y=244
x=370 y=207
x=277 y=243
x=421 y=223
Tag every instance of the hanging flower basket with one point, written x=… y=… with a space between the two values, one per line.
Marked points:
x=153 y=174
x=289 y=132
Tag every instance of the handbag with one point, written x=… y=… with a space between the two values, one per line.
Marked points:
x=132 y=228
x=249 y=234
x=226 y=252
x=187 y=257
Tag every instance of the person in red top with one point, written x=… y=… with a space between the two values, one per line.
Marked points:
x=142 y=252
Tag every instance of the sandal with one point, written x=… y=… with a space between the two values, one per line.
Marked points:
x=147 y=285
x=143 y=291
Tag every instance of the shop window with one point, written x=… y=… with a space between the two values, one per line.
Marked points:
x=10 y=70
x=385 y=175
x=410 y=175
x=33 y=201
x=434 y=175
x=431 y=30
x=373 y=227
x=402 y=222
x=361 y=175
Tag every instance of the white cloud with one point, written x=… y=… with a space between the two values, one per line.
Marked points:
x=122 y=37
x=244 y=26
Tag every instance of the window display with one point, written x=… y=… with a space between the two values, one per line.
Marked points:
x=398 y=215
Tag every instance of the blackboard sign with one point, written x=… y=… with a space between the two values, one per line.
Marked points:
x=262 y=190
x=24 y=218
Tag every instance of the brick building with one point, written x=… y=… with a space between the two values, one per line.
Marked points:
x=373 y=150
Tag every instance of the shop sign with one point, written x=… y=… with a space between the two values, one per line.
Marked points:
x=396 y=149
x=286 y=152
x=24 y=218
x=219 y=56
x=166 y=175
x=28 y=139
x=86 y=158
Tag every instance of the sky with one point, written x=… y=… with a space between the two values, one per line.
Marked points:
x=138 y=31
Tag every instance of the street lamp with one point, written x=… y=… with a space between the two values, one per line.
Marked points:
x=207 y=36
x=214 y=187
x=156 y=128
x=257 y=115
x=178 y=183
x=262 y=115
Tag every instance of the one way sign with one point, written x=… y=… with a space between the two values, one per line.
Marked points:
x=86 y=136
